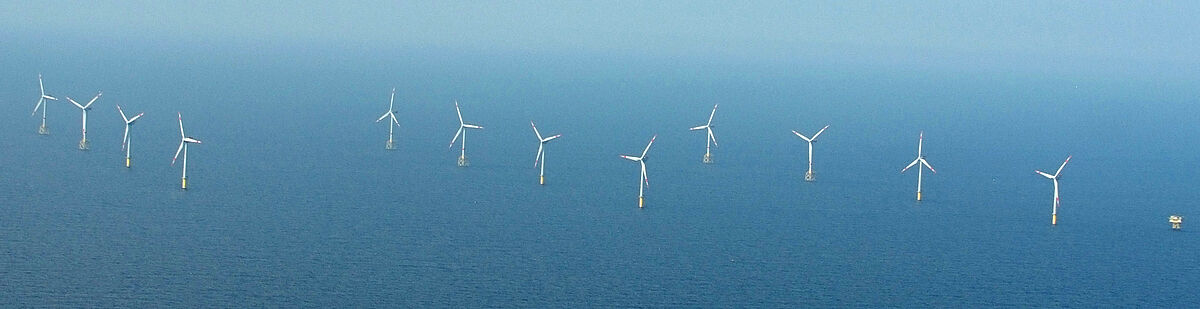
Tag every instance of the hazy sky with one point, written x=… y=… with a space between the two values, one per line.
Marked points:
x=1135 y=35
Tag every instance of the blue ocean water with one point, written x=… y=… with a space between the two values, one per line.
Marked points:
x=293 y=200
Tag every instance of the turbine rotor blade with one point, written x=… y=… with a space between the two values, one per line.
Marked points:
x=910 y=165
x=392 y=100
x=819 y=132
x=805 y=138
x=926 y=163
x=631 y=158
x=550 y=138
x=710 y=115
x=93 y=100
x=36 y=107
x=135 y=118
x=383 y=116
x=648 y=146
x=1044 y=174
x=467 y=125
x=122 y=113
x=73 y=102
x=125 y=139
x=1060 y=167
x=456 y=134
x=539 y=155
x=456 y=110
x=177 y=153
x=535 y=131
x=712 y=137
x=645 y=177
x=181 y=135
x=698 y=128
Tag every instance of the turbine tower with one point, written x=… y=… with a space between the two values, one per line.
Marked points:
x=809 y=176
x=42 y=104
x=1054 y=213
x=392 y=114
x=920 y=159
x=644 y=181
x=83 y=142
x=711 y=140
x=541 y=155
x=126 y=143
x=184 y=140
x=462 y=131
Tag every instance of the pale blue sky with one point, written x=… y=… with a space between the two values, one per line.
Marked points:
x=1123 y=36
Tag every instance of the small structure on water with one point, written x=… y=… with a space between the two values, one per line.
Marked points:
x=1176 y=221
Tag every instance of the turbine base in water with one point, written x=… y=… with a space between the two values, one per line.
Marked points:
x=390 y=146
x=708 y=159
x=184 y=186
x=1053 y=219
x=919 y=197
x=126 y=162
x=641 y=202
x=541 y=180
x=83 y=144
x=44 y=130
x=1176 y=222
x=462 y=161
x=809 y=176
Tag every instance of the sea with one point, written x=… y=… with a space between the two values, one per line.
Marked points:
x=294 y=202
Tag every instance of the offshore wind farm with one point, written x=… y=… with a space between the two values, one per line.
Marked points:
x=290 y=201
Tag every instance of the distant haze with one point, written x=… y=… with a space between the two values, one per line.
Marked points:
x=1143 y=39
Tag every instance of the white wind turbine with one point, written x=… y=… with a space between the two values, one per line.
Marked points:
x=462 y=131
x=392 y=114
x=183 y=141
x=541 y=155
x=711 y=140
x=643 y=181
x=126 y=143
x=809 y=175
x=83 y=143
x=920 y=159
x=1054 y=213
x=42 y=104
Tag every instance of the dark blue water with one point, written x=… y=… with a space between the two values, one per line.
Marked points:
x=293 y=200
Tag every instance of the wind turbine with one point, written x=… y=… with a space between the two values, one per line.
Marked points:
x=83 y=143
x=390 y=113
x=42 y=104
x=644 y=181
x=541 y=156
x=183 y=141
x=920 y=159
x=126 y=143
x=462 y=131
x=712 y=139
x=809 y=175
x=1054 y=214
